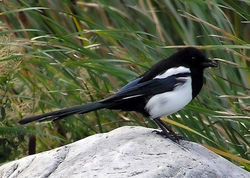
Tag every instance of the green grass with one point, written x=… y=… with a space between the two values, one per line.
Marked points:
x=64 y=53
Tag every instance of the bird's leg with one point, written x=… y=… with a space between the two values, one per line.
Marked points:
x=166 y=131
x=167 y=127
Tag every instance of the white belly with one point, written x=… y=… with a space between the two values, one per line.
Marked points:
x=170 y=102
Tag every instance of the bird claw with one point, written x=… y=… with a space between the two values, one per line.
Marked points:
x=172 y=136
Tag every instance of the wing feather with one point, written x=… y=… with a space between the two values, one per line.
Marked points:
x=148 y=88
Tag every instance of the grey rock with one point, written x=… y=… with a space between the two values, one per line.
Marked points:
x=125 y=152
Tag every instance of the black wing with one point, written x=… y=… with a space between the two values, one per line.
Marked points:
x=148 y=88
x=130 y=84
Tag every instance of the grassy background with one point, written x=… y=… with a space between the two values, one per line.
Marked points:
x=55 y=54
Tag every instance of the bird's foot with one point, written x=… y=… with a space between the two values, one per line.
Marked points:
x=171 y=135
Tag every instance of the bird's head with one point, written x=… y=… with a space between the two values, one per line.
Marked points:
x=193 y=58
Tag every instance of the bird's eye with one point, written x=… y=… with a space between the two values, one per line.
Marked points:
x=193 y=58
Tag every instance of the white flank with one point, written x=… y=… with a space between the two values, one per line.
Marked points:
x=173 y=71
x=170 y=102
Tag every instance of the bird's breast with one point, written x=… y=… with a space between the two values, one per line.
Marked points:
x=170 y=102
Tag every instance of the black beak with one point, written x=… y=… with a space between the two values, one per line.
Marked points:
x=210 y=63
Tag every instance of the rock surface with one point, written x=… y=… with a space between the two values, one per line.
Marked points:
x=125 y=152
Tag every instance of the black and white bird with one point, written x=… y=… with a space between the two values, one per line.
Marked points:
x=164 y=89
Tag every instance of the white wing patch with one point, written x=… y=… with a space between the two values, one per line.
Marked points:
x=133 y=96
x=173 y=71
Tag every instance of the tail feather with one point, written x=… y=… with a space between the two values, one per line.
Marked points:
x=60 y=114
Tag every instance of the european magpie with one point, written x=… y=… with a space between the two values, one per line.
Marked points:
x=164 y=89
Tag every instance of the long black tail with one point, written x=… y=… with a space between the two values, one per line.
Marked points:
x=60 y=114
